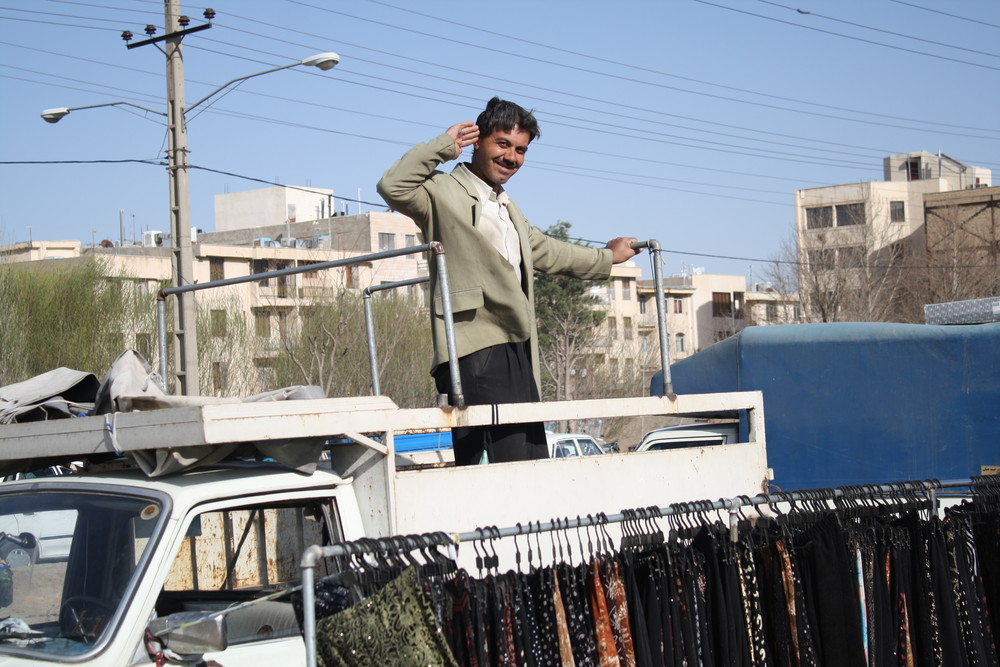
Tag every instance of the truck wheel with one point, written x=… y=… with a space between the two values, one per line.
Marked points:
x=17 y=555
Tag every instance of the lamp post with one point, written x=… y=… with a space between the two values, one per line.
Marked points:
x=186 y=369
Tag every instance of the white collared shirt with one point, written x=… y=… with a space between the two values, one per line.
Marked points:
x=494 y=222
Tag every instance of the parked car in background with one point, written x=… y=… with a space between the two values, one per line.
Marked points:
x=30 y=536
x=690 y=435
x=565 y=445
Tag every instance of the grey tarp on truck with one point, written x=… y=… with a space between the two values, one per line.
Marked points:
x=131 y=385
x=61 y=392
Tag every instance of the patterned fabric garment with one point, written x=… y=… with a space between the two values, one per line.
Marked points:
x=614 y=590
x=540 y=589
x=750 y=593
x=394 y=627
x=572 y=585
x=504 y=651
x=562 y=627
x=799 y=622
x=460 y=631
x=607 y=652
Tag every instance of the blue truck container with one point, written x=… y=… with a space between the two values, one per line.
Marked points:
x=851 y=403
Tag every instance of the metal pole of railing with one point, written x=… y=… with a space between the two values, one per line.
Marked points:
x=307 y=268
x=661 y=310
x=161 y=338
x=370 y=324
x=449 y=324
x=308 y=564
x=366 y=297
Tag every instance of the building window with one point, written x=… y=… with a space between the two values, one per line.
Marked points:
x=144 y=345
x=771 y=312
x=678 y=306
x=262 y=323
x=913 y=169
x=722 y=304
x=600 y=292
x=216 y=268
x=351 y=277
x=220 y=370
x=819 y=217
x=218 y=323
x=851 y=257
x=897 y=211
x=386 y=241
x=259 y=266
x=850 y=214
x=613 y=328
x=642 y=305
x=822 y=258
x=411 y=240
x=627 y=326
x=679 y=343
x=265 y=373
x=626 y=289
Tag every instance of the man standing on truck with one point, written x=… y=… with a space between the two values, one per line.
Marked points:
x=492 y=254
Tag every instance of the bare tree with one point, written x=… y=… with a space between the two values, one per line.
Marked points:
x=851 y=267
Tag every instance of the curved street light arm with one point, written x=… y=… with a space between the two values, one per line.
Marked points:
x=57 y=114
x=236 y=80
x=324 y=61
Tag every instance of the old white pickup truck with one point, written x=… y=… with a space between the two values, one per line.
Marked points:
x=148 y=553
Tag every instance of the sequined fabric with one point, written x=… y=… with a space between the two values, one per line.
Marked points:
x=393 y=628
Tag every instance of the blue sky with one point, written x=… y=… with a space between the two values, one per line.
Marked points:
x=688 y=121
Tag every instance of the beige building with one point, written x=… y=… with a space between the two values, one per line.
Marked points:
x=878 y=223
x=265 y=230
x=766 y=306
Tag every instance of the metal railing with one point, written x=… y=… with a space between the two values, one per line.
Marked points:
x=443 y=286
x=370 y=324
x=434 y=247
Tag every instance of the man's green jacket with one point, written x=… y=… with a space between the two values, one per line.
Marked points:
x=490 y=306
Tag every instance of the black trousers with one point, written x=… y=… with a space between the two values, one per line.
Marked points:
x=497 y=374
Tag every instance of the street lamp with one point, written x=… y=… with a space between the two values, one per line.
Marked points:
x=185 y=337
x=57 y=114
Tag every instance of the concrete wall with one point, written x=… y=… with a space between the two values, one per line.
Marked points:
x=270 y=206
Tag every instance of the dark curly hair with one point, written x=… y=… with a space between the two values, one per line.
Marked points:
x=503 y=115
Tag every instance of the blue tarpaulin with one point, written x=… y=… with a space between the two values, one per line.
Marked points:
x=852 y=403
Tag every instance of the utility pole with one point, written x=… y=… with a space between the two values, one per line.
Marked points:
x=185 y=342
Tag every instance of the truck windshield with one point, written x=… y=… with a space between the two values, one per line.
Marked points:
x=66 y=563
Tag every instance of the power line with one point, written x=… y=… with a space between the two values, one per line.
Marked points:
x=881 y=30
x=851 y=37
x=954 y=16
x=590 y=56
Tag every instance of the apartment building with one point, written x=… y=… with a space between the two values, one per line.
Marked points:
x=264 y=230
x=878 y=223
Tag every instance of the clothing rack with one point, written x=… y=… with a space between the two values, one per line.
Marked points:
x=635 y=523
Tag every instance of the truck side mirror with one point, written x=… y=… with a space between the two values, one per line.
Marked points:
x=191 y=632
